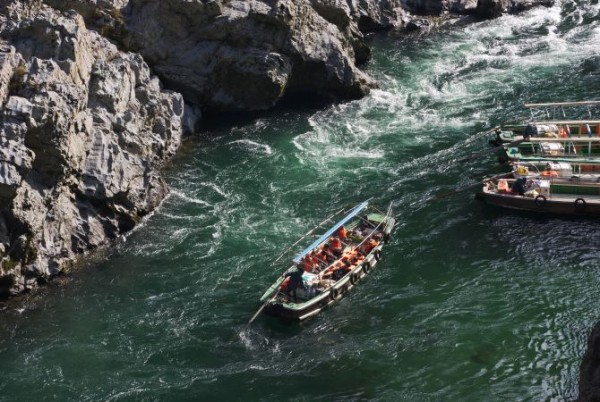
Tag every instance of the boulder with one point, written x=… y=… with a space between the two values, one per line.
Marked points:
x=589 y=371
x=248 y=55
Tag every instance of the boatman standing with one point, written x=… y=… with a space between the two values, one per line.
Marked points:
x=295 y=281
x=518 y=186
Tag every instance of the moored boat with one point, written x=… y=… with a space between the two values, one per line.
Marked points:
x=551 y=133
x=552 y=120
x=545 y=195
x=332 y=265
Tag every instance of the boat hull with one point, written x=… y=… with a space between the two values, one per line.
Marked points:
x=568 y=206
x=302 y=311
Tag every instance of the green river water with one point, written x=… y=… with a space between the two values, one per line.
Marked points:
x=469 y=302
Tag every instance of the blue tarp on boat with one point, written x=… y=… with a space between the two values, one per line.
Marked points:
x=331 y=231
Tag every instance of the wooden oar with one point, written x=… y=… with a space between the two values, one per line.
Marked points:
x=490 y=150
x=259 y=311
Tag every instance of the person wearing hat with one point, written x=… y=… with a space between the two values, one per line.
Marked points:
x=295 y=281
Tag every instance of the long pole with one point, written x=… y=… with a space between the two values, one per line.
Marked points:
x=259 y=311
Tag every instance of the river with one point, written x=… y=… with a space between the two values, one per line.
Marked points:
x=469 y=302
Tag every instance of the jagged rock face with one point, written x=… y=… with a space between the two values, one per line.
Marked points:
x=83 y=130
x=480 y=8
x=589 y=371
x=246 y=55
x=369 y=15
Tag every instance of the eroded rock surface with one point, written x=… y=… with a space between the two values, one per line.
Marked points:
x=589 y=371
x=83 y=129
x=247 y=55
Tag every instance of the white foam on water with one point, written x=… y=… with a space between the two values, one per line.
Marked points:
x=215 y=187
x=254 y=146
x=187 y=198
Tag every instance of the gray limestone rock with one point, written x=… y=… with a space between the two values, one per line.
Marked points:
x=83 y=131
x=247 y=55
x=589 y=370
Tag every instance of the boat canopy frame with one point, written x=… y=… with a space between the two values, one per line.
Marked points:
x=325 y=236
x=557 y=108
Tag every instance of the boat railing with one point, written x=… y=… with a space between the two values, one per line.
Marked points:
x=553 y=109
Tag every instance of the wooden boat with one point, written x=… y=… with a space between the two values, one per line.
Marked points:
x=550 y=136
x=551 y=119
x=544 y=195
x=327 y=281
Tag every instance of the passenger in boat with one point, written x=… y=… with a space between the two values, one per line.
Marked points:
x=322 y=257
x=336 y=246
x=337 y=271
x=518 y=187
x=315 y=262
x=342 y=233
x=340 y=272
x=306 y=264
x=370 y=245
x=327 y=252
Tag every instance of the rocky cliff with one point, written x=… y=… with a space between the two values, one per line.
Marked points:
x=84 y=128
x=247 y=55
x=589 y=371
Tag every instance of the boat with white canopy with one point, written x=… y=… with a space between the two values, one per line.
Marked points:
x=332 y=265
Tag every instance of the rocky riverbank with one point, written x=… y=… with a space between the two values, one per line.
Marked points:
x=589 y=371
x=84 y=129
x=96 y=94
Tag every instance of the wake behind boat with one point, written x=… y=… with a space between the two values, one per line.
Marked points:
x=332 y=265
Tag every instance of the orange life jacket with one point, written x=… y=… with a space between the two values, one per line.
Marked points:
x=336 y=244
x=306 y=264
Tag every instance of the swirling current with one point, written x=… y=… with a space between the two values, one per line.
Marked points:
x=469 y=303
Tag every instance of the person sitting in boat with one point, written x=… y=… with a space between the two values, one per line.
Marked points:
x=337 y=271
x=357 y=234
x=368 y=246
x=322 y=258
x=342 y=233
x=327 y=252
x=336 y=245
x=518 y=187
x=340 y=272
x=314 y=262
x=306 y=264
